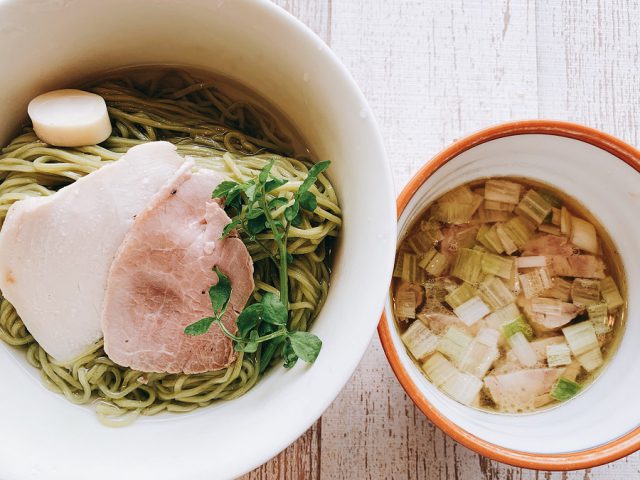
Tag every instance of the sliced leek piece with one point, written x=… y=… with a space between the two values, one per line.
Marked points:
x=558 y=355
x=462 y=194
x=501 y=206
x=438 y=369
x=585 y=291
x=497 y=265
x=535 y=282
x=453 y=344
x=581 y=337
x=534 y=207
x=565 y=221
x=472 y=310
x=506 y=314
x=532 y=262
x=482 y=352
x=560 y=289
x=502 y=191
x=599 y=316
x=519 y=230
x=522 y=349
x=583 y=235
x=565 y=389
x=419 y=340
x=460 y=295
x=463 y=387
x=495 y=293
x=519 y=325
x=406 y=303
x=583 y=343
x=610 y=293
x=468 y=265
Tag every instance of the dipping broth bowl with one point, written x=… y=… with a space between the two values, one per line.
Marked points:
x=601 y=172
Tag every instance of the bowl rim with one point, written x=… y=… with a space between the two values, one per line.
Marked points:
x=599 y=455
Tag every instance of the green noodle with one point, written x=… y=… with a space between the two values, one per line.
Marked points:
x=234 y=138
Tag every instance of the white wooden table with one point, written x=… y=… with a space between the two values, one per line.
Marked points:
x=434 y=71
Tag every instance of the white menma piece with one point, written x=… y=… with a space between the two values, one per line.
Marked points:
x=70 y=118
x=55 y=252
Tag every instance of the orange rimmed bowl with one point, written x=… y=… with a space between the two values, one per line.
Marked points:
x=603 y=423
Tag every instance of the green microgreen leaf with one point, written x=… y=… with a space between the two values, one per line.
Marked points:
x=312 y=176
x=268 y=351
x=251 y=192
x=292 y=211
x=250 y=345
x=256 y=225
x=274 y=310
x=229 y=228
x=249 y=319
x=277 y=202
x=290 y=357
x=266 y=328
x=223 y=189
x=254 y=212
x=308 y=201
x=247 y=347
x=200 y=327
x=264 y=173
x=233 y=201
x=273 y=184
x=297 y=220
x=306 y=345
x=220 y=293
x=303 y=198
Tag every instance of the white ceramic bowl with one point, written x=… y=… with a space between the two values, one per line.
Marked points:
x=47 y=44
x=602 y=173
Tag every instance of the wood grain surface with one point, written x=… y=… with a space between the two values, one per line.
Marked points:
x=434 y=71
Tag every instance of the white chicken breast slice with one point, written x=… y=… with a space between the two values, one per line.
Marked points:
x=56 y=251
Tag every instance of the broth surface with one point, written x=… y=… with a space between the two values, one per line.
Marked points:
x=504 y=294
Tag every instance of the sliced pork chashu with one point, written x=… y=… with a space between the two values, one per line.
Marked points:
x=160 y=279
